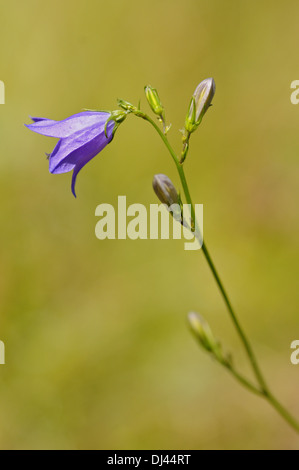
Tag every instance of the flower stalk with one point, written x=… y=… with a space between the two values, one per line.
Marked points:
x=261 y=389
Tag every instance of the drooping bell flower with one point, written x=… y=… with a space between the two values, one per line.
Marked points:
x=81 y=137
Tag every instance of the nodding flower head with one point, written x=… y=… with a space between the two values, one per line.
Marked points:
x=81 y=137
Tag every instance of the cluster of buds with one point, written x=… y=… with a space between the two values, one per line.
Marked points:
x=200 y=102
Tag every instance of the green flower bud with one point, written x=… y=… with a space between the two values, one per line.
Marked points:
x=202 y=331
x=154 y=100
x=200 y=102
x=165 y=190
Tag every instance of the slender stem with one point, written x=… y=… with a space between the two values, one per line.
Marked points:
x=161 y=134
x=243 y=380
x=264 y=390
x=242 y=335
x=282 y=411
x=208 y=257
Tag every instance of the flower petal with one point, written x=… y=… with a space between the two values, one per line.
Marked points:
x=64 y=154
x=69 y=126
x=60 y=167
x=39 y=119
x=83 y=155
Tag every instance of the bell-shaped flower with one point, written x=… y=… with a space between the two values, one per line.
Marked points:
x=81 y=137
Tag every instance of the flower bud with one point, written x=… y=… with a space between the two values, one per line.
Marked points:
x=154 y=100
x=200 y=102
x=165 y=190
x=202 y=332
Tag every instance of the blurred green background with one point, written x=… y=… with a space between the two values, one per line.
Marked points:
x=98 y=351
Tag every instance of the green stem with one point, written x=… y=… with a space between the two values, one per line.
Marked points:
x=161 y=134
x=264 y=390
x=239 y=329
x=242 y=379
x=282 y=411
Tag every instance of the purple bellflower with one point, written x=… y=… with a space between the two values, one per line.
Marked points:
x=81 y=137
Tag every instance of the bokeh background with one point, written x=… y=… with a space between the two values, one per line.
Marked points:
x=98 y=352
